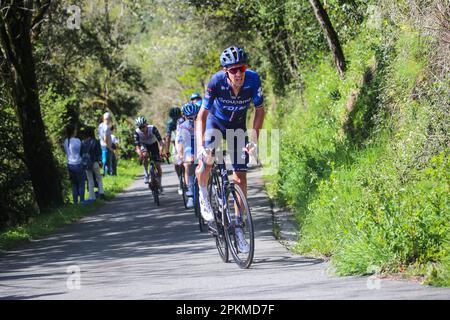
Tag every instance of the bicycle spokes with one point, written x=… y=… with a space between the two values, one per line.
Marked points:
x=240 y=236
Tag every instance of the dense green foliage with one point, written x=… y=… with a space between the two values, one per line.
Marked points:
x=82 y=73
x=364 y=161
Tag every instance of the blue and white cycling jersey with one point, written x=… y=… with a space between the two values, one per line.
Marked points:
x=186 y=133
x=221 y=102
x=186 y=137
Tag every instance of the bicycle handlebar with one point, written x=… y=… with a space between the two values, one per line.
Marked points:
x=202 y=165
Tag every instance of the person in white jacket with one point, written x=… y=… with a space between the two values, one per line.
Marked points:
x=72 y=147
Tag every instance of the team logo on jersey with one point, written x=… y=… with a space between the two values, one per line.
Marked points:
x=260 y=92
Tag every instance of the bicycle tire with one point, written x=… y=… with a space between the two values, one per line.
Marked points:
x=241 y=259
x=154 y=184
x=220 y=238
x=198 y=214
x=182 y=181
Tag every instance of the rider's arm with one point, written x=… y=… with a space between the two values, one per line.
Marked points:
x=167 y=137
x=258 y=122
x=179 y=147
x=200 y=122
x=258 y=101
x=158 y=137
x=200 y=125
x=137 y=143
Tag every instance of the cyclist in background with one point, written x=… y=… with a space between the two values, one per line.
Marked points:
x=196 y=98
x=149 y=144
x=185 y=146
x=227 y=99
x=172 y=124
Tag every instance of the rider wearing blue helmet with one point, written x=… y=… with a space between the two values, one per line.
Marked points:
x=185 y=141
x=195 y=97
x=227 y=99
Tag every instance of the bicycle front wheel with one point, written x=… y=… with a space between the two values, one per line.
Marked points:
x=240 y=228
x=216 y=205
x=202 y=225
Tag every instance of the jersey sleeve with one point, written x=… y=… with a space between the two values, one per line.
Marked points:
x=156 y=133
x=136 y=139
x=170 y=126
x=210 y=94
x=258 y=98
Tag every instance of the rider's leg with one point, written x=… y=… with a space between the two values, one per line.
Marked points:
x=240 y=160
x=205 y=206
x=212 y=138
x=240 y=178
x=176 y=161
x=145 y=164
x=188 y=162
x=189 y=176
x=159 y=173
x=203 y=176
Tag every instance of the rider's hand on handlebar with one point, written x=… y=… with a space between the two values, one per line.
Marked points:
x=251 y=148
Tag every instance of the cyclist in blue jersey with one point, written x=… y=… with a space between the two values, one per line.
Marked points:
x=171 y=127
x=227 y=99
x=185 y=146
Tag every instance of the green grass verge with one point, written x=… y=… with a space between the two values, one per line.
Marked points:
x=370 y=186
x=48 y=222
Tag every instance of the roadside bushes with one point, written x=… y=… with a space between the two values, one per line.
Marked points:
x=365 y=162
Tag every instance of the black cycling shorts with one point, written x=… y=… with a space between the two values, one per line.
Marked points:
x=153 y=151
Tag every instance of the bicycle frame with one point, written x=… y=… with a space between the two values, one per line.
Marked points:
x=221 y=171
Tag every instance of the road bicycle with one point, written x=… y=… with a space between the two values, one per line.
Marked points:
x=182 y=185
x=231 y=211
x=201 y=222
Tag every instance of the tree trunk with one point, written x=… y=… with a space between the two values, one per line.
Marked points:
x=15 y=42
x=330 y=35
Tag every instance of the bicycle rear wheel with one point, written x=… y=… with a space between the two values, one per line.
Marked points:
x=182 y=182
x=239 y=212
x=201 y=222
x=216 y=204
x=153 y=185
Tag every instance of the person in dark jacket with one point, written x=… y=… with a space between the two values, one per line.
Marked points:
x=91 y=146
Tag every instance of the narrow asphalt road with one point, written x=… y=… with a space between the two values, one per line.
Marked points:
x=131 y=249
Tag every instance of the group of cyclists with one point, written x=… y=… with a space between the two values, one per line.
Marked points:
x=193 y=131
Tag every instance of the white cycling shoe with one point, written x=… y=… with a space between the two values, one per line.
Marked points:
x=243 y=245
x=190 y=203
x=205 y=209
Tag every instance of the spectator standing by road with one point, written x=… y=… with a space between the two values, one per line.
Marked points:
x=104 y=135
x=72 y=148
x=92 y=161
